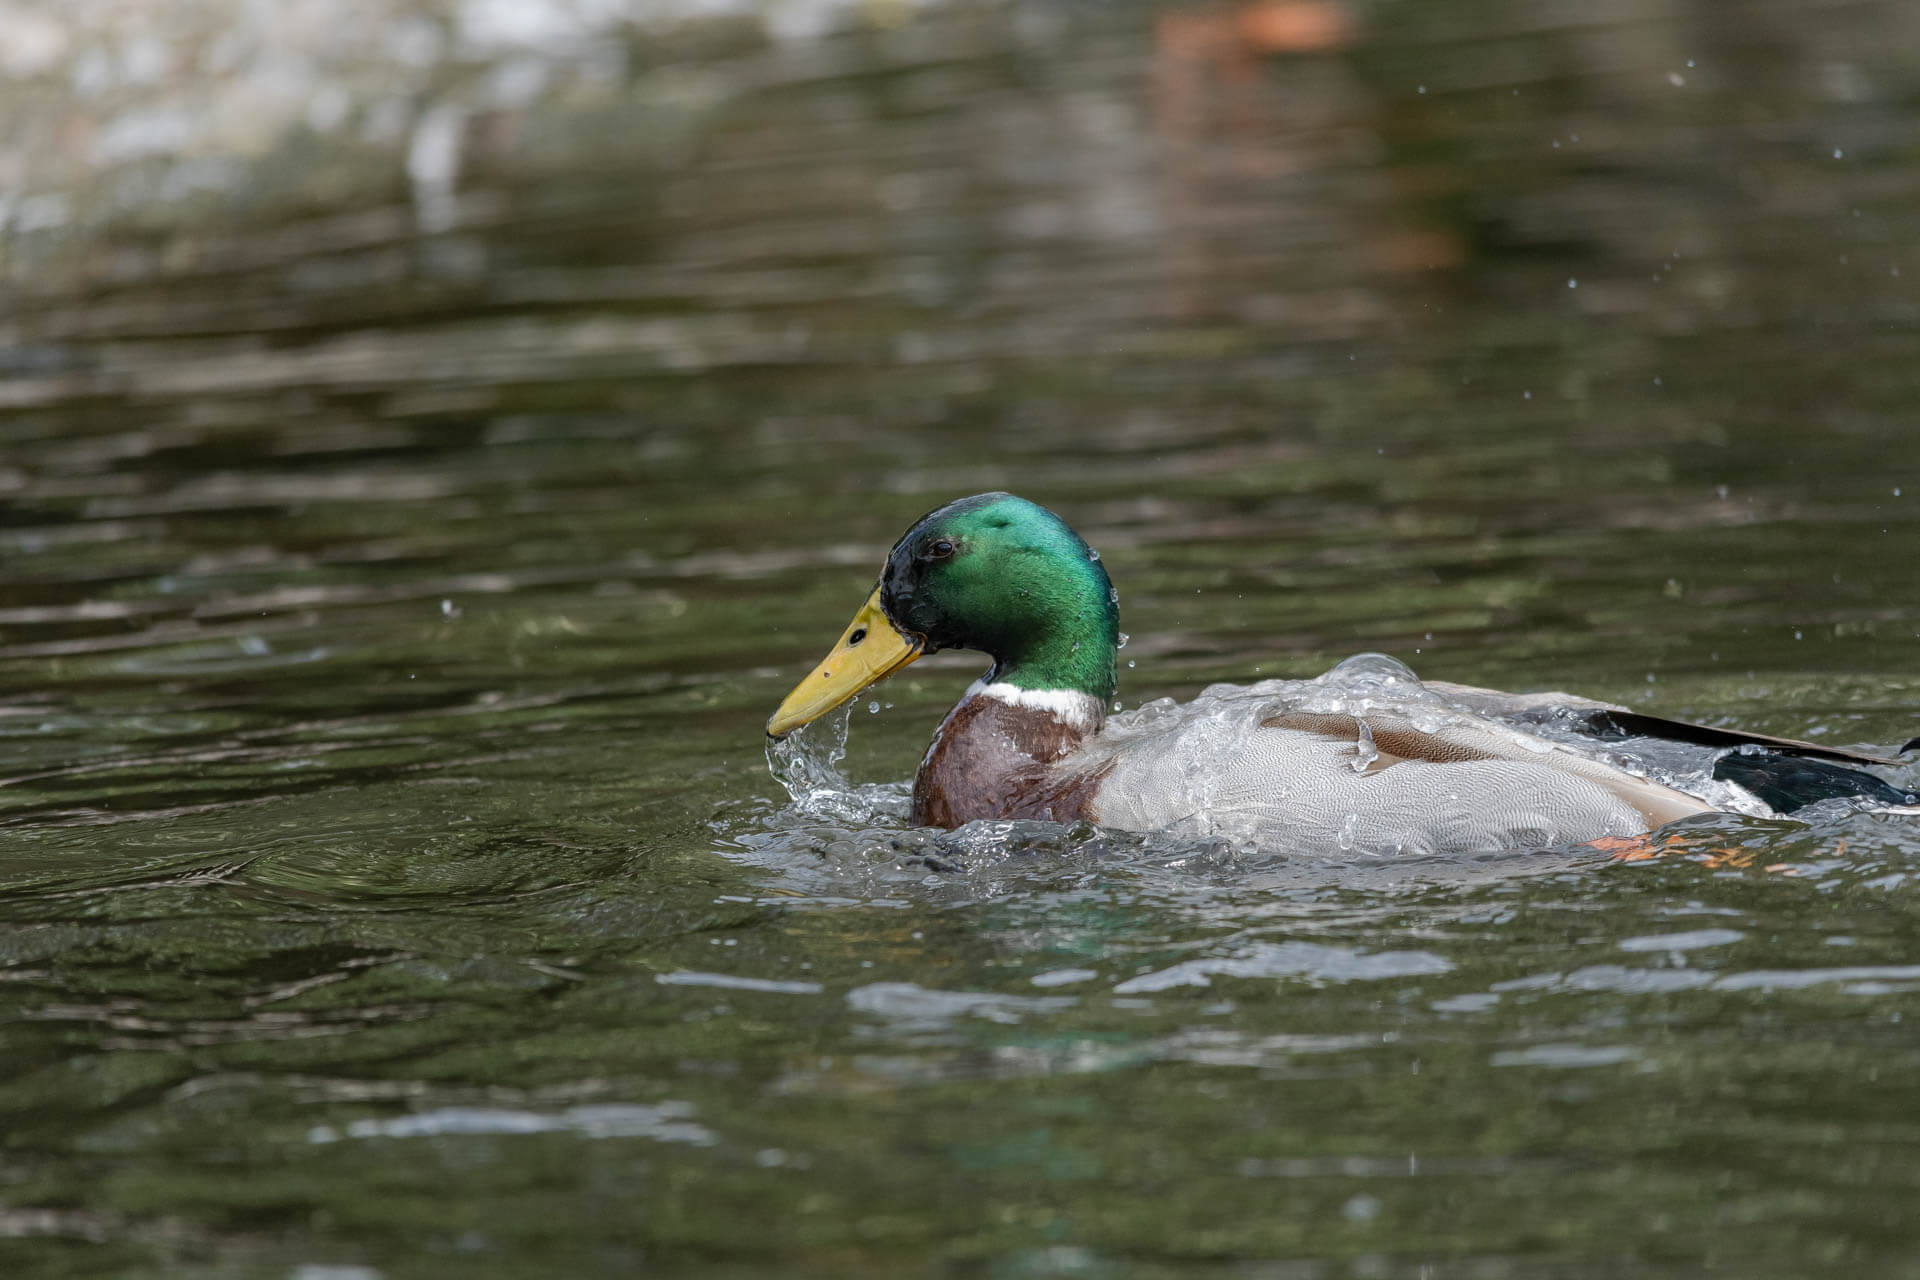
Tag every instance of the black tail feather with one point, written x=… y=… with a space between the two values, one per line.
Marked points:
x=1911 y=746
x=1785 y=783
x=1615 y=722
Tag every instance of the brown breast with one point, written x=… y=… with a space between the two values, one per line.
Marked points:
x=991 y=759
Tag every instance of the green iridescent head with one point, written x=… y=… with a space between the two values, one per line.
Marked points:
x=993 y=573
x=1007 y=577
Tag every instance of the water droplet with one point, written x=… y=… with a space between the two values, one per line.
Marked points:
x=1572 y=283
x=1092 y=554
x=1129 y=662
x=1124 y=637
x=1796 y=635
x=1364 y=750
x=1113 y=595
x=1689 y=62
x=1116 y=704
x=1350 y=831
x=1422 y=89
x=1675 y=79
x=447 y=609
x=1838 y=153
x=873 y=708
x=1526 y=395
x=1896 y=491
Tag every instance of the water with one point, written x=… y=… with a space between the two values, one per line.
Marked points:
x=399 y=558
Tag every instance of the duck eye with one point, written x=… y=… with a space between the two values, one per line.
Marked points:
x=857 y=636
x=941 y=548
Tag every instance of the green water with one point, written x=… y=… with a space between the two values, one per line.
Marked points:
x=392 y=882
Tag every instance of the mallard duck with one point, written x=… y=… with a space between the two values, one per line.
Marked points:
x=1366 y=758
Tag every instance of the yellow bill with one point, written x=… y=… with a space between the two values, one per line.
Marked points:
x=869 y=651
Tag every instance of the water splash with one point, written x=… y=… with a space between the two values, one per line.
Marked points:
x=807 y=763
x=1184 y=767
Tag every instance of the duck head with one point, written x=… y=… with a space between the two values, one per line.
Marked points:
x=993 y=573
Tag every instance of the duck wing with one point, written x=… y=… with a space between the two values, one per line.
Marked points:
x=1385 y=740
x=1377 y=781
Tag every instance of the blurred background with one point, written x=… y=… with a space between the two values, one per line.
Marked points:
x=433 y=435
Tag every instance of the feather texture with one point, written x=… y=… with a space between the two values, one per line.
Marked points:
x=1376 y=783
